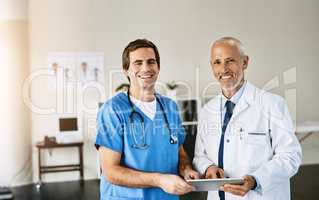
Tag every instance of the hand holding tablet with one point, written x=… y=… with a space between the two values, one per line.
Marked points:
x=213 y=184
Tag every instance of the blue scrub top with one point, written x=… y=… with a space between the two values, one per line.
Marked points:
x=116 y=133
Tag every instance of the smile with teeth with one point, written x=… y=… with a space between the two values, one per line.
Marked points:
x=224 y=77
x=145 y=76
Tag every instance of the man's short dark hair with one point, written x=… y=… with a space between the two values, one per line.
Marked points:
x=134 y=45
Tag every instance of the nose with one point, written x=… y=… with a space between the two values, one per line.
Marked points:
x=224 y=66
x=145 y=66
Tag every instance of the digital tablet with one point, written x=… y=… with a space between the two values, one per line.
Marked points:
x=213 y=184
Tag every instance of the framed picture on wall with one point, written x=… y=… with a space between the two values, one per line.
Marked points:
x=90 y=67
x=81 y=67
x=189 y=109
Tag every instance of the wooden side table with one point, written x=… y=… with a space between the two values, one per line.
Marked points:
x=60 y=168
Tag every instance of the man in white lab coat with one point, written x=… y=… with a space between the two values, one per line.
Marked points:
x=245 y=132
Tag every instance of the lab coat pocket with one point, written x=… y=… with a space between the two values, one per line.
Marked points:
x=256 y=138
x=254 y=150
x=257 y=133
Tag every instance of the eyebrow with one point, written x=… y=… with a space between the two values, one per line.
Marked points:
x=228 y=58
x=151 y=59
x=148 y=60
x=138 y=61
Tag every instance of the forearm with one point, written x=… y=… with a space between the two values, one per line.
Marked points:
x=124 y=176
x=117 y=174
x=184 y=163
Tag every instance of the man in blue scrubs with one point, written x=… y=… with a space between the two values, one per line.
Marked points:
x=140 y=135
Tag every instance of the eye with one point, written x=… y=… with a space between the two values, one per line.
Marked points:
x=216 y=62
x=151 y=62
x=137 y=63
x=230 y=60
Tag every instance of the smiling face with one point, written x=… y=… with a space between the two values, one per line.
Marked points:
x=143 y=69
x=228 y=65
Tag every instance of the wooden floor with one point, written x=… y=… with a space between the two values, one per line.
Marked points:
x=304 y=186
x=59 y=191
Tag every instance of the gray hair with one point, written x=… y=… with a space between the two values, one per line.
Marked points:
x=231 y=41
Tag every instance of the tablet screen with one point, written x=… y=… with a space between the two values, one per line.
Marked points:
x=213 y=184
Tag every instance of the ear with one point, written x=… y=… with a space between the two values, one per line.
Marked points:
x=211 y=63
x=245 y=61
x=125 y=72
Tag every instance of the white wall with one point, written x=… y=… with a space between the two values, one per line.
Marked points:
x=15 y=131
x=13 y=10
x=278 y=35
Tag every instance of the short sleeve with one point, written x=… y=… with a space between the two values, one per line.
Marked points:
x=109 y=129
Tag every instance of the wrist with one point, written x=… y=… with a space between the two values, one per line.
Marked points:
x=156 y=179
x=253 y=183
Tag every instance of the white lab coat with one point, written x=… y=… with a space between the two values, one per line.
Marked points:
x=259 y=141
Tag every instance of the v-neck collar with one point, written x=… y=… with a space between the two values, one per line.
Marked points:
x=137 y=109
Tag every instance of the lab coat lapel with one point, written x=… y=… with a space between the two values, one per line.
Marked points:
x=245 y=100
x=240 y=107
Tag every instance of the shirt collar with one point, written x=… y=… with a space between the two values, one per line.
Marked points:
x=235 y=98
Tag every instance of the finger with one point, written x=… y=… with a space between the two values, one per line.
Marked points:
x=236 y=189
x=220 y=173
x=249 y=181
x=178 y=189
x=183 y=189
x=211 y=175
x=230 y=188
x=180 y=186
x=184 y=185
x=189 y=188
x=191 y=175
x=187 y=176
x=195 y=175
